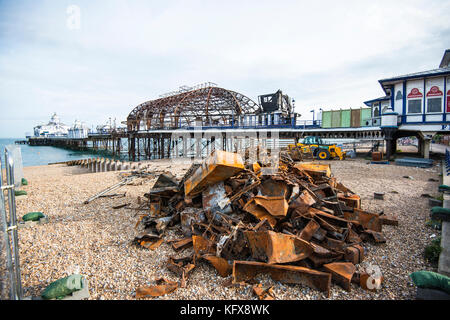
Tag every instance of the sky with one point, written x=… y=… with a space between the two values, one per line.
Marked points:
x=103 y=58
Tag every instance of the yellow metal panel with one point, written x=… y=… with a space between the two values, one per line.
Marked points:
x=308 y=166
x=220 y=166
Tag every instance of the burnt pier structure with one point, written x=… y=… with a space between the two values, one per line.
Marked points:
x=193 y=121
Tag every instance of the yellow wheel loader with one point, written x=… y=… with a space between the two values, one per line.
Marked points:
x=313 y=147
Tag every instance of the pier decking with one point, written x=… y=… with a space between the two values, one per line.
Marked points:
x=110 y=142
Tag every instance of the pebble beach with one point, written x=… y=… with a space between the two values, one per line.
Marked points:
x=96 y=240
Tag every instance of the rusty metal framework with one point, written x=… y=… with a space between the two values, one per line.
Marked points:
x=206 y=105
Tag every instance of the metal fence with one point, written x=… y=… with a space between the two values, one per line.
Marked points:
x=10 y=279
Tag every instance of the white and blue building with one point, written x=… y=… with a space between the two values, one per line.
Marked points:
x=414 y=104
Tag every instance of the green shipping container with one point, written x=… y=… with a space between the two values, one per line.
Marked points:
x=335 y=118
x=366 y=114
x=345 y=118
x=326 y=119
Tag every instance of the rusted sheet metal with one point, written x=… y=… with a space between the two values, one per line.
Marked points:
x=237 y=247
x=148 y=240
x=183 y=260
x=203 y=246
x=213 y=195
x=273 y=247
x=342 y=273
x=309 y=230
x=180 y=206
x=162 y=223
x=155 y=208
x=139 y=221
x=220 y=166
x=343 y=188
x=306 y=198
x=353 y=237
x=152 y=245
x=328 y=226
x=162 y=287
x=337 y=223
x=276 y=206
x=333 y=182
x=247 y=270
x=188 y=217
x=389 y=220
x=321 y=255
x=259 y=212
x=336 y=245
x=263 y=294
x=157 y=225
x=182 y=244
x=256 y=168
x=378 y=237
x=262 y=225
x=326 y=210
x=368 y=220
x=237 y=183
x=324 y=191
x=303 y=174
x=354 y=254
x=273 y=188
x=353 y=201
x=298 y=207
x=242 y=191
x=222 y=266
x=181 y=267
x=211 y=227
x=314 y=169
x=166 y=185
x=320 y=234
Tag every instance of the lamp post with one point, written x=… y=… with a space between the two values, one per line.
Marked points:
x=293 y=117
x=313 y=116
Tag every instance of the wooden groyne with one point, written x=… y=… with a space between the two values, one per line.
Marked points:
x=103 y=165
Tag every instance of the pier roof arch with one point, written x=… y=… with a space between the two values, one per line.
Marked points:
x=210 y=105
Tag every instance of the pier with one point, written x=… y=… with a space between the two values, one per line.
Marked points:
x=195 y=120
x=110 y=142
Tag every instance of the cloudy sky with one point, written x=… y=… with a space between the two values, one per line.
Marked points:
x=326 y=54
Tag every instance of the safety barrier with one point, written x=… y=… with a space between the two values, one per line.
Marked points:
x=10 y=279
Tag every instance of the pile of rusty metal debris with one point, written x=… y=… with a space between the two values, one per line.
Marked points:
x=295 y=223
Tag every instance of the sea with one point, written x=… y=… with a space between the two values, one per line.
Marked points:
x=42 y=155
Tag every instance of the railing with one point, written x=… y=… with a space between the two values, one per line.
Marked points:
x=10 y=279
x=107 y=131
x=306 y=124
x=445 y=120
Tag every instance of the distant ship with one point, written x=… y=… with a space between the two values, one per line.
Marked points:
x=55 y=128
